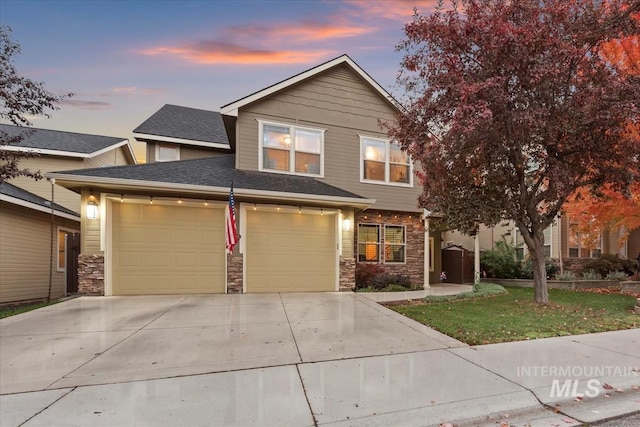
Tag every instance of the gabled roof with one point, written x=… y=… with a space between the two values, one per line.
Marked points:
x=62 y=143
x=12 y=194
x=184 y=125
x=211 y=175
x=231 y=109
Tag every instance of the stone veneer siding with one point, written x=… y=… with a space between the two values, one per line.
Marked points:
x=235 y=264
x=347 y=274
x=414 y=228
x=91 y=274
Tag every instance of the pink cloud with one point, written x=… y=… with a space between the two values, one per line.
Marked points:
x=301 y=31
x=397 y=10
x=217 y=52
x=87 y=105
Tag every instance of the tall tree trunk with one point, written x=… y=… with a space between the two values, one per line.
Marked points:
x=540 y=285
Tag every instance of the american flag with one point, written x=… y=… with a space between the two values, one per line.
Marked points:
x=231 y=230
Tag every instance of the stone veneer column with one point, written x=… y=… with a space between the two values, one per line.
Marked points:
x=91 y=274
x=235 y=264
x=347 y=274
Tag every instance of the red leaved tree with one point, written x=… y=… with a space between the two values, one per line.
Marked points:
x=509 y=107
x=593 y=211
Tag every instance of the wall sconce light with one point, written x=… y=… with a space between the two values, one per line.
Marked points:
x=346 y=224
x=92 y=208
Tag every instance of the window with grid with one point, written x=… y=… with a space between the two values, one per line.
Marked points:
x=368 y=243
x=394 y=243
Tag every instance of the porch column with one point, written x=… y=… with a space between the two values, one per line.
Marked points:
x=427 y=248
x=476 y=258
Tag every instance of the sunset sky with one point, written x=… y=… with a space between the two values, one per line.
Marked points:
x=123 y=60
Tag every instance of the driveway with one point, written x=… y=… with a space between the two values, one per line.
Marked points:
x=103 y=340
x=266 y=359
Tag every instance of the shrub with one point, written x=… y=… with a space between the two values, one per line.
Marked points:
x=526 y=268
x=382 y=281
x=365 y=273
x=608 y=263
x=591 y=275
x=501 y=261
x=394 y=288
x=567 y=276
x=617 y=276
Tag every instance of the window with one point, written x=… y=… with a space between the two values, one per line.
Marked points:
x=368 y=243
x=547 y=242
x=167 y=152
x=579 y=244
x=521 y=248
x=383 y=162
x=394 y=243
x=62 y=247
x=291 y=149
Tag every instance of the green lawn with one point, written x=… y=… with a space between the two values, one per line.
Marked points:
x=12 y=311
x=514 y=316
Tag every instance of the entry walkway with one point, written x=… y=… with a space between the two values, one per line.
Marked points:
x=335 y=359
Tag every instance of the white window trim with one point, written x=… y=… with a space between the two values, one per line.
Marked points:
x=292 y=150
x=387 y=164
x=404 y=244
x=579 y=247
x=59 y=229
x=379 y=261
x=157 y=148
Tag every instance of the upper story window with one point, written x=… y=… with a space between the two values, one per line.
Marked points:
x=581 y=246
x=291 y=149
x=167 y=152
x=383 y=162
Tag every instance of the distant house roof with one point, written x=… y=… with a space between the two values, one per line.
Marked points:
x=62 y=143
x=184 y=125
x=231 y=109
x=12 y=194
x=209 y=175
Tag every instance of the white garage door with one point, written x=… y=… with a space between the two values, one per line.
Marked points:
x=290 y=252
x=160 y=249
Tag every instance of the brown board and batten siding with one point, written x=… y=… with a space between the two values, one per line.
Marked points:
x=42 y=188
x=342 y=103
x=25 y=253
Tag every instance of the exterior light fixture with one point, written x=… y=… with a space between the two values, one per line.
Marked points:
x=179 y=201
x=255 y=207
x=346 y=224
x=206 y=203
x=150 y=200
x=92 y=208
x=300 y=209
x=121 y=198
x=321 y=211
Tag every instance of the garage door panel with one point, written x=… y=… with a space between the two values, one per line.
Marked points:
x=289 y=252
x=163 y=249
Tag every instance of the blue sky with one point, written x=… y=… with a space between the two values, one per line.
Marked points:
x=123 y=60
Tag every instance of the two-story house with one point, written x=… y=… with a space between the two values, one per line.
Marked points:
x=318 y=188
x=27 y=214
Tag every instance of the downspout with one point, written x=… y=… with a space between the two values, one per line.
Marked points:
x=53 y=182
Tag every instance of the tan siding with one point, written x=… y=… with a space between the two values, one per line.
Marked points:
x=114 y=157
x=151 y=152
x=90 y=237
x=343 y=104
x=348 y=236
x=42 y=188
x=192 y=152
x=24 y=251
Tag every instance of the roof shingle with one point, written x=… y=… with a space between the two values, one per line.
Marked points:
x=193 y=124
x=18 y=193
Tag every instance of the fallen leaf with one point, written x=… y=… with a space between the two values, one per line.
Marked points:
x=579 y=399
x=619 y=390
x=607 y=386
x=607 y=395
x=568 y=420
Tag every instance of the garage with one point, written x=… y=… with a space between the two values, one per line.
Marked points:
x=167 y=249
x=290 y=251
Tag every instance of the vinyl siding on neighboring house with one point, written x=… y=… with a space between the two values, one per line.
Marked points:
x=25 y=254
x=341 y=103
x=42 y=188
x=116 y=157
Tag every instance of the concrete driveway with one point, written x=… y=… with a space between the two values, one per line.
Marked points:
x=256 y=359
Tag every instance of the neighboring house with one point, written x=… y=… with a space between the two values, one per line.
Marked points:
x=560 y=238
x=318 y=188
x=26 y=209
